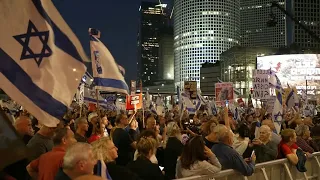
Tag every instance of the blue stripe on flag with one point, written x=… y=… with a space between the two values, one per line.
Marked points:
x=60 y=39
x=279 y=97
x=289 y=97
x=113 y=83
x=22 y=81
x=191 y=109
x=94 y=100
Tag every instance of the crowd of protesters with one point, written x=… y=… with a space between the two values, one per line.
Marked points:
x=142 y=145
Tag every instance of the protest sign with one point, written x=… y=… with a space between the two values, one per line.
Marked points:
x=190 y=88
x=260 y=83
x=224 y=92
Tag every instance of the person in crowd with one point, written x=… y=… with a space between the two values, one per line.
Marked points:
x=81 y=126
x=77 y=161
x=124 y=140
x=151 y=124
x=92 y=119
x=162 y=124
x=150 y=134
x=41 y=142
x=143 y=167
x=288 y=147
x=193 y=160
x=104 y=150
x=264 y=148
x=48 y=164
x=23 y=125
x=230 y=158
x=107 y=125
x=274 y=136
x=304 y=141
x=98 y=132
x=213 y=137
x=240 y=142
x=173 y=149
x=207 y=130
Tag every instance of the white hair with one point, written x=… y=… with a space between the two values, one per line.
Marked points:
x=266 y=127
x=75 y=153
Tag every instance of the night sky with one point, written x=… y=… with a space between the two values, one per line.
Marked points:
x=116 y=19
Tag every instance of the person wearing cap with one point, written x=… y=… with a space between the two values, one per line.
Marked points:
x=92 y=119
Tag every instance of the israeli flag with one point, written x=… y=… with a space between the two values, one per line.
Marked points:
x=275 y=82
x=90 y=96
x=187 y=103
x=41 y=58
x=106 y=73
x=277 y=113
x=292 y=99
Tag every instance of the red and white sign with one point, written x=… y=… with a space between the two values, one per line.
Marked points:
x=134 y=102
x=224 y=92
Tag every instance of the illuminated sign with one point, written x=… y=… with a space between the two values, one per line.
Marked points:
x=293 y=69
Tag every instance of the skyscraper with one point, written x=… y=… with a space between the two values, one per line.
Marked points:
x=202 y=31
x=166 y=57
x=153 y=17
x=308 y=13
x=254 y=30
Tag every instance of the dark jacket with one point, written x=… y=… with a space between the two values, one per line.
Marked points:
x=145 y=169
x=230 y=159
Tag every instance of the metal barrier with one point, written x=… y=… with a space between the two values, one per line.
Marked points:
x=273 y=170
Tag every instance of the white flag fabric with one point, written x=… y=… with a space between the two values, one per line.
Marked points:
x=187 y=103
x=41 y=58
x=81 y=94
x=106 y=73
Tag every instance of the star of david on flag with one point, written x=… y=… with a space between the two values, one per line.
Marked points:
x=24 y=40
x=277 y=113
x=41 y=58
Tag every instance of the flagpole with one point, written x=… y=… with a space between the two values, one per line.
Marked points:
x=143 y=124
x=97 y=97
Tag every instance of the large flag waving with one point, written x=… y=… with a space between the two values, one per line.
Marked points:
x=41 y=58
x=106 y=73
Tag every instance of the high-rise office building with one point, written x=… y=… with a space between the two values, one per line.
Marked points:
x=166 y=57
x=308 y=13
x=153 y=17
x=254 y=30
x=202 y=31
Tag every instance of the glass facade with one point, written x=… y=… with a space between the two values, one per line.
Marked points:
x=237 y=65
x=153 y=18
x=308 y=12
x=202 y=31
x=254 y=30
